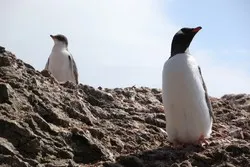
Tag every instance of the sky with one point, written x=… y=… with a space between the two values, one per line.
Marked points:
x=121 y=43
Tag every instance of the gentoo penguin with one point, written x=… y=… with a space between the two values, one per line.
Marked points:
x=188 y=110
x=60 y=62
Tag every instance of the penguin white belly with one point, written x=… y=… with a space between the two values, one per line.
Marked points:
x=59 y=66
x=187 y=114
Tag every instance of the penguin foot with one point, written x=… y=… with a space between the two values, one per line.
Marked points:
x=161 y=109
x=202 y=141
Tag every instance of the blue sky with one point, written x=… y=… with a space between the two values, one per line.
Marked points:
x=124 y=43
x=226 y=21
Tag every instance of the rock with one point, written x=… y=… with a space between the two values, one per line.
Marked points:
x=6 y=60
x=151 y=119
x=237 y=150
x=96 y=133
x=111 y=165
x=2 y=49
x=47 y=123
x=12 y=161
x=175 y=165
x=5 y=93
x=87 y=150
x=6 y=147
x=118 y=143
x=130 y=161
x=202 y=157
x=46 y=73
x=186 y=164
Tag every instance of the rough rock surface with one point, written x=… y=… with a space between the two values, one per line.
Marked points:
x=46 y=123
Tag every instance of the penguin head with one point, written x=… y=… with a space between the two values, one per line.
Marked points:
x=182 y=40
x=60 y=39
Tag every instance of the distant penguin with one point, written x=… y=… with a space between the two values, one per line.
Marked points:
x=60 y=62
x=188 y=110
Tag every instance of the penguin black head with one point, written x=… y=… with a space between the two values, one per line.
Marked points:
x=182 y=40
x=60 y=38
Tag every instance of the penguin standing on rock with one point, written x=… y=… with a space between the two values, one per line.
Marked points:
x=60 y=62
x=188 y=110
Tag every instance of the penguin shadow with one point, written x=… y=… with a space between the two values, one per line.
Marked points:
x=161 y=157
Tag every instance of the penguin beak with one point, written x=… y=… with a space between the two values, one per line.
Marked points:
x=52 y=36
x=195 y=30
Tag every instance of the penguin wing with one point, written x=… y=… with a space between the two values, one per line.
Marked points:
x=206 y=95
x=47 y=65
x=73 y=67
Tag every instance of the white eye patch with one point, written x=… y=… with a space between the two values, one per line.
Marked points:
x=180 y=32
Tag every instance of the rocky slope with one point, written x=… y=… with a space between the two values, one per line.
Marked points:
x=45 y=123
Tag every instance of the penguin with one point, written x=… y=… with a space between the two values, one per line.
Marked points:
x=61 y=63
x=187 y=108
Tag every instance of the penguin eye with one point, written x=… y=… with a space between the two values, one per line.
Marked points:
x=60 y=38
x=186 y=30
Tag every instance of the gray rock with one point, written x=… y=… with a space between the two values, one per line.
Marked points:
x=46 y=123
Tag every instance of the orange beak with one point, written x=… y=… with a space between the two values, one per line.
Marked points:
x=197 y=29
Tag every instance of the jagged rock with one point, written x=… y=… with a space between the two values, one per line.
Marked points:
x=5 y=93
x=47 y=123
x=2 y=49
x=87 y=149
x=6 y=147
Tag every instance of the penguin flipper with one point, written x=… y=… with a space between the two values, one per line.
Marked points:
x=206 y=95
x=73 y=67
x=47 y=65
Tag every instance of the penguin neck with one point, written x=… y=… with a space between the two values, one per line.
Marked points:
x=59 y=47
x=179 y=51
